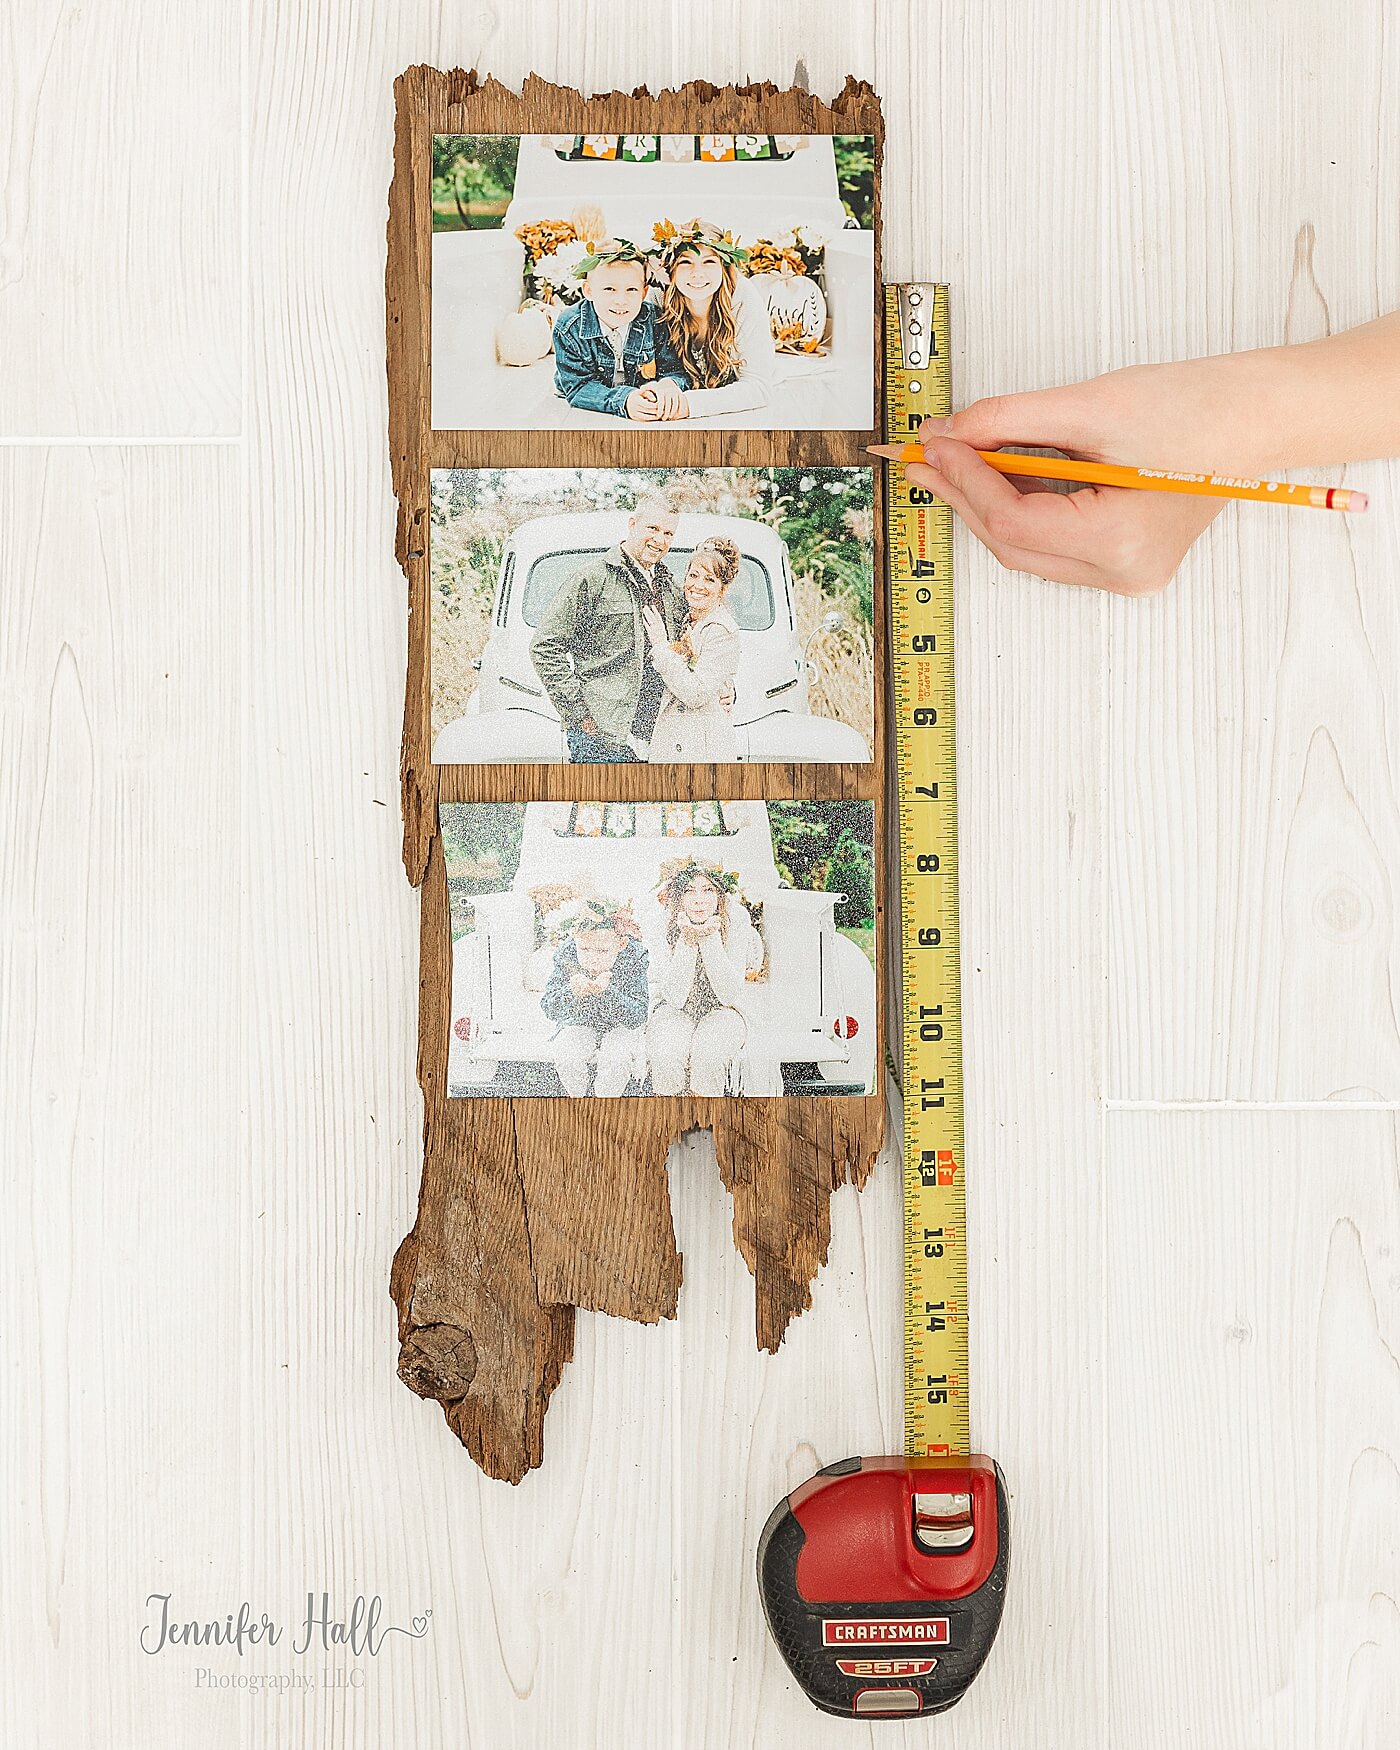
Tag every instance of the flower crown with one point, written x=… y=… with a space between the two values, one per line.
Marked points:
x=603 y=254
x=672 y=240
x=680 y=871
x=594 y=914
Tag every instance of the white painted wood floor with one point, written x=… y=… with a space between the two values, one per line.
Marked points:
x=1181 y=843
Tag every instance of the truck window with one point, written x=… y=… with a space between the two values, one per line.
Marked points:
x=750 y=597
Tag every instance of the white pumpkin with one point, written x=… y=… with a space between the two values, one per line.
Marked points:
x=524 y=337
x=796 y=309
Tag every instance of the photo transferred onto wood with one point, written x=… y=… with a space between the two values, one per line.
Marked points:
x=624 y=949
x=729 y=244
x=721 y=279
x=652 y=615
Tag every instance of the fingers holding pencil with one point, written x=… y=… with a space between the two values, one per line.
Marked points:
x=1052 y=419
x=991 y=506
x=1130 y=543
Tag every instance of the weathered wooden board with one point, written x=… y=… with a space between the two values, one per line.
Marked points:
x=531 y=1208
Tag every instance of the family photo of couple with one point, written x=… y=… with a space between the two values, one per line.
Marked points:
x=640 y=665
x=623 y=948
x=610 y=616
x=583 y=280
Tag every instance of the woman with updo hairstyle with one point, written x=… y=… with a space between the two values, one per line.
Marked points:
x=697 y=670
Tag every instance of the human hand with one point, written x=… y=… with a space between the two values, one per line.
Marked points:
x=669 y=395
x=657 y=633
x=1106 y=537
x=582 y=985
x=642 y=405
x=679 y=408
x=589 y=725
x=726 y=698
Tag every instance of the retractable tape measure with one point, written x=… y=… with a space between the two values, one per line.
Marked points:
x=883 y=1578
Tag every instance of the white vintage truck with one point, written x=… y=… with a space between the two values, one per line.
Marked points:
x=820 y=989
x=510 y=718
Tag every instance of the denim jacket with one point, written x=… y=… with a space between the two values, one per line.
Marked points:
x=584 y=359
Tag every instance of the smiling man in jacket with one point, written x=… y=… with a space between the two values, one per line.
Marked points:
x=590 y=649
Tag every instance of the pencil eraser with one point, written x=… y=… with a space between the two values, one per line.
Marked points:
x=1358 y=501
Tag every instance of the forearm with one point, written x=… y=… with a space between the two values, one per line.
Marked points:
x=1250 y=415
x=575 y=381
x=598 y=397
x=1280 y=407
x=743 y=395
x=551 y=661
x=679 y=679
x=557 y=1003
x=726 y=979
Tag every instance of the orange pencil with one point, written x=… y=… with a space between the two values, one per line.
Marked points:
x=1150 y=479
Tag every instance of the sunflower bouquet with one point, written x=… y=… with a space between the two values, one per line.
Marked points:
x=767 y=257
x=798 y=251
x=793 y=337
x=542 y=237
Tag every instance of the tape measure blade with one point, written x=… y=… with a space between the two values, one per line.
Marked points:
x=918 y=554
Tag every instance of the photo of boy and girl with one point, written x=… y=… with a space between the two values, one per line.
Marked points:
x=704 y=349
x=705 y=948
x=653 y=278
x=701 y=1035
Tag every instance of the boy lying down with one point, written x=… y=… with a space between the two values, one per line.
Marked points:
x=611 y=353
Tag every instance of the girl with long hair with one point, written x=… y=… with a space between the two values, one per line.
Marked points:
x=709 y=979
x=716 y=324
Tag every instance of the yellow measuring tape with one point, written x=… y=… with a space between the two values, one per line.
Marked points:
x=906 y=1560
x=919 y=549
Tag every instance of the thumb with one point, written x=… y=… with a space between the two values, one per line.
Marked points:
x=1041 y=419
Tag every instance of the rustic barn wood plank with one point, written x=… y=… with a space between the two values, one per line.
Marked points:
x=531 y=1208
